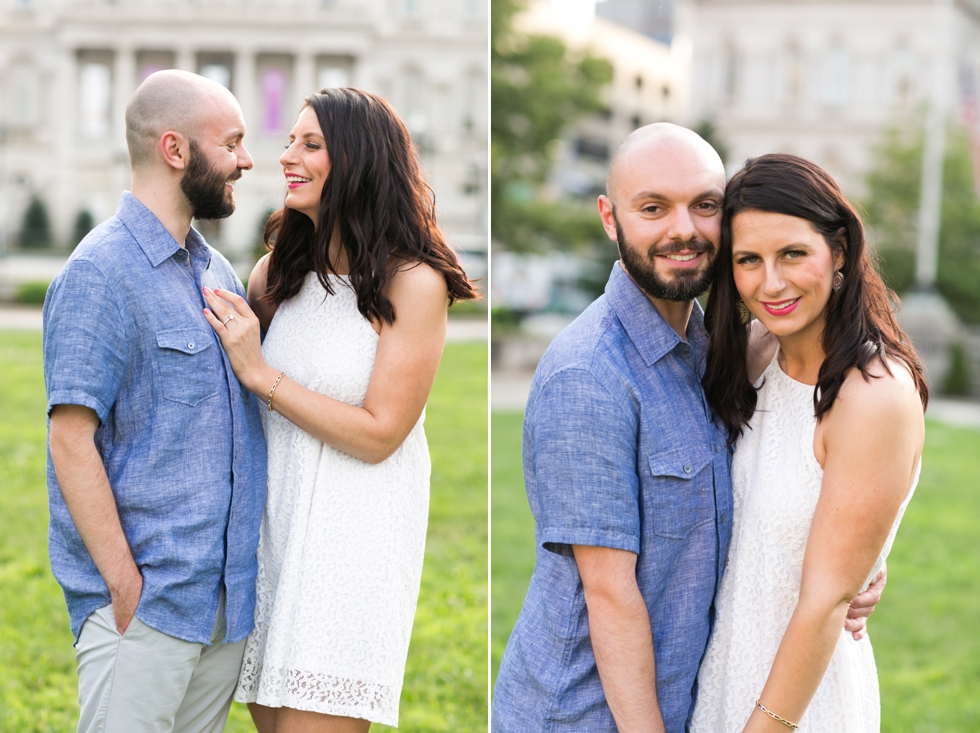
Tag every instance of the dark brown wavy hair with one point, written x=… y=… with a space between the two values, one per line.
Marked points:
x=377 y=193
x=860 y=326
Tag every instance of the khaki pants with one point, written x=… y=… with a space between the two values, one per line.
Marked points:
x=147 y=682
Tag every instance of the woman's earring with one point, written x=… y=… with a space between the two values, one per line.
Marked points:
x=838 y=279
x=743 y=312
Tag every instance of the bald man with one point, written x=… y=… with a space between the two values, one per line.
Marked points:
x=626 y=473
x=156 y=462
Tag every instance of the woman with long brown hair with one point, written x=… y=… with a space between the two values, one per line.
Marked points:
x=353 y=298
x=828 y=437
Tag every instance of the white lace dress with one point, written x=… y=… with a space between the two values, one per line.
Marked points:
x=342 y=541
x=776 y=482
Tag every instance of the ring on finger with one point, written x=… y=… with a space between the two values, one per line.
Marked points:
x=230 y=317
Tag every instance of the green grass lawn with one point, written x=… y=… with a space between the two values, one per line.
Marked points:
x=446 y=680
x=925 y=631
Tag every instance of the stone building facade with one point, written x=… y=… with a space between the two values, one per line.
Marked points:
x=68 y=67
x=822 y=79
x=649 y=84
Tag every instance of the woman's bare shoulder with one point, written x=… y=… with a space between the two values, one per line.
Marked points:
x=257 y=288
x=258 y=277
x=413 y=281
x=888 y=392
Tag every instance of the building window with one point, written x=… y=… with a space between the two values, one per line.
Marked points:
x=331 y=77
x=475 y=102
x=217 y=72
x=22 y=95
x=903 y=76
x=334 y=72
x=216 y=67
x=95 y=98
x=150 y=62
x=416 y=117
x=836 y=69
x=412 y=7
x=592 y=148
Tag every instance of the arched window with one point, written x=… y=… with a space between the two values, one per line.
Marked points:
x=22 y=95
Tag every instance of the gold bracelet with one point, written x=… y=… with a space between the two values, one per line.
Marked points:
x=273 y=390
x=771 y=714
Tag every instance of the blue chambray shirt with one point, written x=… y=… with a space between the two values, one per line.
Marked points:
x=620 y=451
x=181 y=440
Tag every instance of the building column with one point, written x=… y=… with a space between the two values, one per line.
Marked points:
x=238 y=230
x=243 y=86
x=65 y=98
x=304 y=75
x=185 y=60
x=123 y=86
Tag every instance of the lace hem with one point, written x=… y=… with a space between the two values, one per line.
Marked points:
x=319 y=693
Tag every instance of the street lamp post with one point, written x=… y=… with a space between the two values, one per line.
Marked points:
x=928 y=319
x=3 y=191
x=931 y=192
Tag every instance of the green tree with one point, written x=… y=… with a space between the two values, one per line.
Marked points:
x=892 y=209
x=35 y=232
x=258 y=244
x=958 y=378
x=537 y=87
x=84 y=223
x=706 y=129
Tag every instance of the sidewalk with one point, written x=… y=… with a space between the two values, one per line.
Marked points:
x=26 y=318
x=20 y=318
x=509 y=388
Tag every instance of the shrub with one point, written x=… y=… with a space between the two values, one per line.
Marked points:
x=35 y=232
x=958 y=378
x=258 y=245
x=32 y=293
x=84 y=223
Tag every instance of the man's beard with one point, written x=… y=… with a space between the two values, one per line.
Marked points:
x=685 y=285
x=204 y=187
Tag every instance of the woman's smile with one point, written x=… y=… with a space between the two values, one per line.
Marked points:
x=782 y=307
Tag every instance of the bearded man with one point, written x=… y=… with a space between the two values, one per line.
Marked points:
x=626 y=472
x=156 y=462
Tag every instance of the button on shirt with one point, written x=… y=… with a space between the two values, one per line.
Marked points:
x=620 y=451
x=180 y=439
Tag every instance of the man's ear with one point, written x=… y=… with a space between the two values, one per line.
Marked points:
x=175 y=149
x=608 y=219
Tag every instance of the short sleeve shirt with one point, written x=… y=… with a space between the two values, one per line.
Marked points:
x=620 y=451
x=181 y=440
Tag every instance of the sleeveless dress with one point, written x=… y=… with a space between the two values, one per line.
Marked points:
x=342 y=541
x=776 y=482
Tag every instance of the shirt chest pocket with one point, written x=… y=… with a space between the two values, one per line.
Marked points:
x=681 y=491
x=187 y=367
